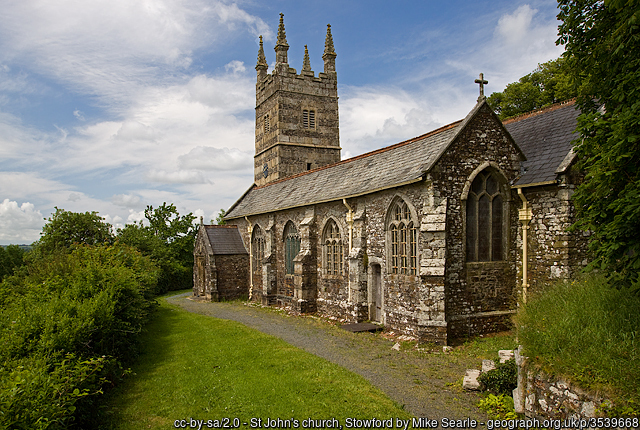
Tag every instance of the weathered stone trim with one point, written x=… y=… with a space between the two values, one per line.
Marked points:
x=308 y=145
x=481 y=315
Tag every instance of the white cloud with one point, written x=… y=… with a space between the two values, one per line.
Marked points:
x=373 y=117
x=131 y=131
x=514 y=28
x=127 y=201
x=210 y=158
x=79 y=115
x=113 y=49
x=235 y=67
x=19 y=223
x=18 y=184
x=135 y=217
x=177 y=177
x=521 y=40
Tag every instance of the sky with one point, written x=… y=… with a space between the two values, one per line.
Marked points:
x=114 y=105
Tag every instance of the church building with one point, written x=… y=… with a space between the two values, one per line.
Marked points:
x=438 y=237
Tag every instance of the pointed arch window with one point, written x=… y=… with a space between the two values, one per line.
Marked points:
x=404 y=240
x=257 y=246
x=485 y=219
x=332 y=249
x=291 y=246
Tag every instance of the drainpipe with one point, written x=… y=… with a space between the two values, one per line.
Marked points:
x=350 y=222
x=524 y=215
x=250 y=230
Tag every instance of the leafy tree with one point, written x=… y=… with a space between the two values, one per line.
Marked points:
x=220 y=218
x=64 y=229
x=168 y=240
x=549 y=83
x=11 y=257
x=602 y=42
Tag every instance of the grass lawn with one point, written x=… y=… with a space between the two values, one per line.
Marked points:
x=193 y=366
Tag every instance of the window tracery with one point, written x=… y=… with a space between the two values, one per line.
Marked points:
x=485 y=219
x=332 y=249
x=404 y=240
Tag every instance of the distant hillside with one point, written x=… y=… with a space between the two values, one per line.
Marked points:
x=25 y=247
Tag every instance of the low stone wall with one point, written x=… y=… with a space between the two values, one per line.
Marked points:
x=542 y=397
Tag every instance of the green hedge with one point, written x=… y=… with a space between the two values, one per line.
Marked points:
x=68 y=322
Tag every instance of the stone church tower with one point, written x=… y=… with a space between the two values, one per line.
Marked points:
x=296 y=114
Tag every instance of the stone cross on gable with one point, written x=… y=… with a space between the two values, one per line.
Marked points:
x=482 y=83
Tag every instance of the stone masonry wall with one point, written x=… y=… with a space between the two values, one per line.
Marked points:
x=542 y=397
x=287 y=148
x=478 y=290
x=233 y=276
x=553 y=252
x=413 y=304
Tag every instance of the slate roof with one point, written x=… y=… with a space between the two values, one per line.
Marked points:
x=389 y=167
x=225 y=239
x=545 y=138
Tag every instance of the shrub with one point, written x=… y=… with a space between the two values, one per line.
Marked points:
x=42 y=392
x=66 y=325
x=501 y=380
x=498 y=407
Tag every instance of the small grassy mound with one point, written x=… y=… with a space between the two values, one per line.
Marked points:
x=194 y=366
x=588 y=332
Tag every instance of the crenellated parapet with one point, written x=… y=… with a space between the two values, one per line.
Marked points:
x=296 y=113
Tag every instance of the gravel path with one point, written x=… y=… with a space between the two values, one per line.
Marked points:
x=428 y=385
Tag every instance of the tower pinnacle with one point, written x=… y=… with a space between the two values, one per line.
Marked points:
x=329 y=55
x=262 y=65
x=282 y=36
x=282 y=46
x=306 y=64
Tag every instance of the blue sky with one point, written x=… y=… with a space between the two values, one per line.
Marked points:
x=111 y=106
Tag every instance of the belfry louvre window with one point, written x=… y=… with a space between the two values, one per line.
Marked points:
x=291 y=246
x=485 y=218
x=257 y=247
x=308 y=118
x=333 y=251
x=404 y=240
x=267 y=123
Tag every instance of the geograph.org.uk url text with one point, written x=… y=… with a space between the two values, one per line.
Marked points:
x=402 y=424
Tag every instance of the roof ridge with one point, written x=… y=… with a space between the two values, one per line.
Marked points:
x=539 y=111
x=370 y=153
x=219 y=226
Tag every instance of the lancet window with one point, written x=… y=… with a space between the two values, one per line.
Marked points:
x=257 y=247
x=333 y=250
x=291 y=246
